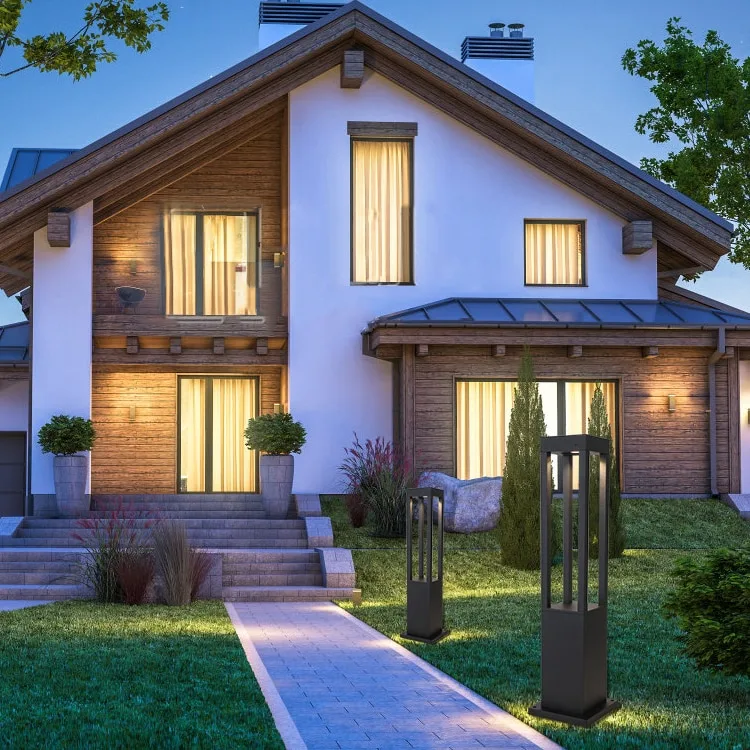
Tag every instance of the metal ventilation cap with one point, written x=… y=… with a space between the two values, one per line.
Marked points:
x=294 y=12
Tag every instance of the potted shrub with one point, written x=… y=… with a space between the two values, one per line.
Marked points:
x=277 y=437
x=69 y=438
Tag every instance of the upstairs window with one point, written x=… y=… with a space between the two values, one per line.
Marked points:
x=555 y=253
x=210 y=263
x=381 y=211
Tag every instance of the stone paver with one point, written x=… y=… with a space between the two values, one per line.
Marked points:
x=344 y=685
x=9 y=605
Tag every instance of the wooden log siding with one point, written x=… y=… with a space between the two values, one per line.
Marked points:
x=140 y=456
x=661 y=452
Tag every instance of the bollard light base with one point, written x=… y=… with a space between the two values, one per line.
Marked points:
x=608 y=708
x=439 y=637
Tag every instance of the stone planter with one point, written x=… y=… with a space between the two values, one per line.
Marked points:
x=276 y=475
x=70 y=485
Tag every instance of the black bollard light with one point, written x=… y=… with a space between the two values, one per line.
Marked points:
x=424 y=593
x=574 y=633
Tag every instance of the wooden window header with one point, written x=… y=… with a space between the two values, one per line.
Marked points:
x=382 y=129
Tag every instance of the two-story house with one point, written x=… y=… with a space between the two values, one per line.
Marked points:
x=359 y=228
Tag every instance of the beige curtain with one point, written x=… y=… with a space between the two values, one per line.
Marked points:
x=233 y=465
x=192 y=435
x=482 y=418
x=179 y=263
x=229 y=281
x=381 y=197
x=554 y=253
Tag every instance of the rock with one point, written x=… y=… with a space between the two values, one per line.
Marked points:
x=470 y=504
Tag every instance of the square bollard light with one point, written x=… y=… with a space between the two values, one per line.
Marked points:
x=424 y=593
x=574 y=633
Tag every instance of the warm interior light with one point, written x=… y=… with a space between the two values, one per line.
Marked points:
x=278 y=260
x=277 y=409
x=671 y=403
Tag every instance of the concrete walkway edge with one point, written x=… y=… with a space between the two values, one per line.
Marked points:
x=290 y=735
x=516 y=724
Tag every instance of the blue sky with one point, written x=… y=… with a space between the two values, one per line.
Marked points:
x=578 y=74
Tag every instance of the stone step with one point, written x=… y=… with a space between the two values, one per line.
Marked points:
x=194 y=513
x=272 y=555
x=266 y=542
x=44 y=591
x=193 y=533
x=38 y=577
x=269 y=567
x=242 y=580
x=283 y=593
x=53 y=566
x=189 y=523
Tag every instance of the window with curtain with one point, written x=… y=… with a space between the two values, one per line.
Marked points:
x=381 y=211
x=210 y=263
x=554 y=253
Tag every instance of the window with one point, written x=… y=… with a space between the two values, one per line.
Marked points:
x=213 y=413
x=381 y=211
x=554 y=253
x=483 y=416
x=210 y=263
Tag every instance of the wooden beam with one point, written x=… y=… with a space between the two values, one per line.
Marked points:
x=407 y=426
x=690 y=271
x=729 y=352
x=498 y=350
x=218 y=345
x=575 y=351
x=175 y=345
x=17 y=272
x=353 y=69
x=132 y=344
x=58 y=228
x=422 y=350
x=649 y=352
x=366 y=129
x=637 y=237
x=261 y=346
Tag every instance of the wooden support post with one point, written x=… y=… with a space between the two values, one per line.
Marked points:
x=58 y=228
x=132 y=344
x=575 y=351
x=408 y=412
x=175 y=345
x=353 y=69
x=422 y=350
x=637 y=237
x=218 y=345
x=729 y=353
x=649 y=352
x=498 y=350
x=261 y=346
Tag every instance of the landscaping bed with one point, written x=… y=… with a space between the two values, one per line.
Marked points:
x=493 y=613
x=82 y=674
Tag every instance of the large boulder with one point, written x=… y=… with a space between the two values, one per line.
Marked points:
x=470 y=504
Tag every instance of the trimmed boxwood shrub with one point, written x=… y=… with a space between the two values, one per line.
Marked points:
x=712 y=606
x=66 y=436
x=275 y=434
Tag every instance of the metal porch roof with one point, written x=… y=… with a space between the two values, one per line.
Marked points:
x=14 y=343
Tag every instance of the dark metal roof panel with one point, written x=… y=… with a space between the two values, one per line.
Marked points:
x=294 y=13
x=14 y=343
x=28 y=162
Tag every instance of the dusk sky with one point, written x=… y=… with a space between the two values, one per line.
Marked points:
x=579 y=78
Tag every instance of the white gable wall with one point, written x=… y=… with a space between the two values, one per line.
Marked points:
x=470 y=201
x=14 y=405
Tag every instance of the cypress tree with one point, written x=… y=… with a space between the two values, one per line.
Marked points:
x=599 y=425
x=519 y=526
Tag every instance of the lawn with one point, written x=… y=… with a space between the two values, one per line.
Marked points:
x=80 y=674
x=493 y=613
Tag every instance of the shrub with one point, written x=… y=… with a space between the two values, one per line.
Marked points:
x=378 y=476
x=135 y=572
x=357 y=509
x=200 y=565
x=275 y=434
x=66 y=436
x=182 y=568
x=598 y=425
x=712 y=606
x=519 y=525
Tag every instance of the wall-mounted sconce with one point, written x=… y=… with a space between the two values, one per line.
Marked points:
x=278 y=409
x=671 y=404
x=131 y=415
x=748 y=416
x=133 y=267
x=279 y=259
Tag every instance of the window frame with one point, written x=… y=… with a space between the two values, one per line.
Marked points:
x=584 y=256
x=208 y=476
x=381 y=139
x=200 y=260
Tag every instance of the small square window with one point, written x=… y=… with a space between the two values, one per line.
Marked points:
x=554 y=253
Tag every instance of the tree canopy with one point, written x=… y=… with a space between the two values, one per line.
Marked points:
x=78 y=53
x=703 y=96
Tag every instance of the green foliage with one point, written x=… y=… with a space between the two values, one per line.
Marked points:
x=519 y=521
x=712 y=607
x=275 y=434
x=703 y=98
x=79 y=53
x=599 y=425
x=66 y=436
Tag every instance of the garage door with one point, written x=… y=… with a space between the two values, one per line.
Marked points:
x=12 y=473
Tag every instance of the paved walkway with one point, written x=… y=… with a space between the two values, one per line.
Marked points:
x=333 y=682
x=10 y=605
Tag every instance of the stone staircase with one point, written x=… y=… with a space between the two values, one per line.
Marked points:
x=256 y=558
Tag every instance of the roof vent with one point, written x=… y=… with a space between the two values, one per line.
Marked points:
x=496 y=30
x=294 y=12
x=516 y=30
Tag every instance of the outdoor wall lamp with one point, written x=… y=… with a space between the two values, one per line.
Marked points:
x=671 y=403
x=278 y=260
x=277 y=409
x=748 y=416
x=131 y=414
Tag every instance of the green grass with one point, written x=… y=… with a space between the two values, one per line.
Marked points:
x=86 y=675
x=493 y=613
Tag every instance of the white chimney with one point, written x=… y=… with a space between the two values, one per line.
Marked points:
x=506 y=60
x=280 y=18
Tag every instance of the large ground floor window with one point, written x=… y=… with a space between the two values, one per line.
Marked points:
x=483 y=414
x=213 y=413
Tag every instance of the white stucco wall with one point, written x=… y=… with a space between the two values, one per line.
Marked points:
x=514 y=75
x=14 y=406
x=744 y=427
x=61 y=331
x=471 y=199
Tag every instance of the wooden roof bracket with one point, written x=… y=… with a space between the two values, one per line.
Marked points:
x=721 y=347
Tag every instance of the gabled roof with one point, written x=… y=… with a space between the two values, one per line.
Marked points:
x=113 y=165
x=14 y=343
x=458 y=312
x=25 y=163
